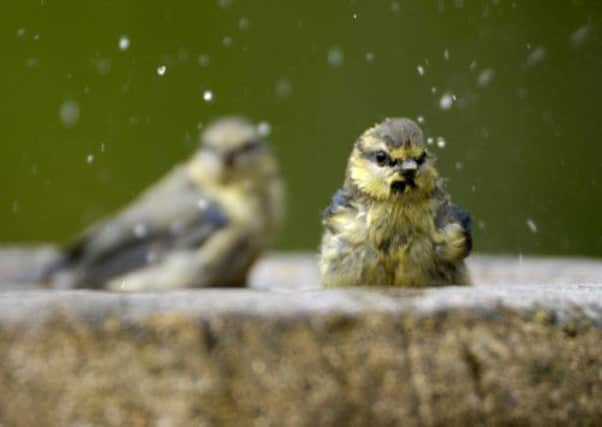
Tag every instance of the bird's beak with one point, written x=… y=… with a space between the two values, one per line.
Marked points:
x=409 y=165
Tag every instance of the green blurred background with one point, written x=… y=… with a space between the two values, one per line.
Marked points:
x=88 y=121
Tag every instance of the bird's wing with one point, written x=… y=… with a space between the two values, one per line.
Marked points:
x=448 y=213
x=340 y=200
x=173 y=214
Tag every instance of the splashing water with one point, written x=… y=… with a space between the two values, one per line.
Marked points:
x=580 y=35
x=536 y=56
x=532 y=226
x=264 y=129
x=161 y=70
x=485 y=77
x=69 y=113
x=203 y=60
x=283 y=88
x=446 y=101
x=243 y=23
x=336 y=56
x=103 y=66
x=208 y=96
x=124 y=43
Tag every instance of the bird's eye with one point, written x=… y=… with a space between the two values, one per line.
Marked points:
x=381 y=157
x=249 y=146
x=420 y=160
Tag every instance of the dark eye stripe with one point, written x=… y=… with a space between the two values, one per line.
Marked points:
x=249 y=146
x=420 y=160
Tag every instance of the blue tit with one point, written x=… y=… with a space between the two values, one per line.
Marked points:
x=203 y=224
x=392 y=223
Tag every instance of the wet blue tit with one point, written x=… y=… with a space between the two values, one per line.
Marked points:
x=204 y=224
x=392 y=224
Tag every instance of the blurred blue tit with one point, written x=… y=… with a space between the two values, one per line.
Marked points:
x=204 y=224
x=392 y=224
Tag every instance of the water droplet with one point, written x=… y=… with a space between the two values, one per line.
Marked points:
x=441 y=143
x=420 y=119
x=283 y=88
x=102 y=147
x=354 y=16
x=473 y=66
x=36 y=36
x=446 y=54
x=243 y=23
x=21 y=32
x=446 y=101
x=90 y=158
x=203 y=60
x=580 y=35
x=264 y=129
x=536 y=56
x=369 y=57
x=103 y=66
x=485 y=77
x=335 y=56
x=124 y=43
x=161 y=70
x=69 y=113
x=532 y=226
x=459 y=165
x=208 y=96
x=430 y=140
x=32 y=62
x=433 y=90
x=227 y=41
x=420 y=70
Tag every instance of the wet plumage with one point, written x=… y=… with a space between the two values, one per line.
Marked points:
x=203 y=224
x=392 y=224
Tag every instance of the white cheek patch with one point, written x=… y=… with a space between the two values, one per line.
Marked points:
x=211 y=162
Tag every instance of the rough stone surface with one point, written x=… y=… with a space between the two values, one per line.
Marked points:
x=522 y=347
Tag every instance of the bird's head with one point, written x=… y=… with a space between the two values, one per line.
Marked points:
x=234 y=149
x=390 y=162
